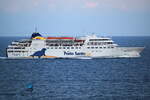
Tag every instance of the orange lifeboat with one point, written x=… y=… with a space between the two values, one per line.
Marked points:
x=65 y=38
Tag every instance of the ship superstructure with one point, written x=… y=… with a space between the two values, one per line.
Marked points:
x=69 y=47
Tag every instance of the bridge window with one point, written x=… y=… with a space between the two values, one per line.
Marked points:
x=99 y=39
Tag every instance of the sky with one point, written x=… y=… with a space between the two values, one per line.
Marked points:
x=75 y=17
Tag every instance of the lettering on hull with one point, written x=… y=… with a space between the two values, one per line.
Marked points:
x=74 y=53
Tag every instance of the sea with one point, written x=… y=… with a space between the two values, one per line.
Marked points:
x=77 y=79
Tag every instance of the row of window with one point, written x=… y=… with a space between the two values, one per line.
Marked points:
x=26 y=42
x=16 y=47
x=99 y=39
x=98 y=47
x=22 y=45
x=99 y=43
x=64 y=44
x=64 y=48
x=17 y=51
x=77 y=47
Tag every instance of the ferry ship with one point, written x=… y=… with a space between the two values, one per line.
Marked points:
x=69 y=47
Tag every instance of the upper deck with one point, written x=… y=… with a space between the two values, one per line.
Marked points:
x=37 y=41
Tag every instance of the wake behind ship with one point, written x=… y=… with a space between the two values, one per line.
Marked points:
x=69 y=47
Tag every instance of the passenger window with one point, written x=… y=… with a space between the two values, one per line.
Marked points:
x=95 y=43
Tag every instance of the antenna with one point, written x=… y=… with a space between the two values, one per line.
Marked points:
x=35 y=29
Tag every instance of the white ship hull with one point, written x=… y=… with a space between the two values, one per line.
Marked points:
x=104 y=53
x=118 y=52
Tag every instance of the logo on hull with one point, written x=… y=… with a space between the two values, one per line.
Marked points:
x=39 y=53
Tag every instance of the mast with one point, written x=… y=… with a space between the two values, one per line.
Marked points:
x=35 y=29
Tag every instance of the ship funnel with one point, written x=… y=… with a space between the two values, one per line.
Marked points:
x=35 y=34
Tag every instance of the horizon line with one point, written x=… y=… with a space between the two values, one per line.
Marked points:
x=72 y=35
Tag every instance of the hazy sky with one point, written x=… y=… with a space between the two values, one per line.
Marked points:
x=75 y=17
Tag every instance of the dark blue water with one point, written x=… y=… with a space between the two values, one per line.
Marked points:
x=70 y=79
